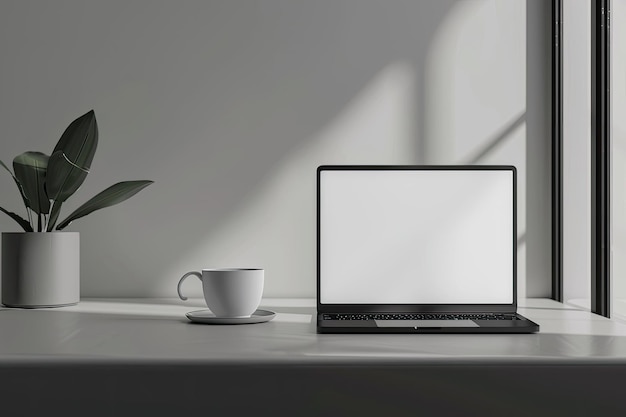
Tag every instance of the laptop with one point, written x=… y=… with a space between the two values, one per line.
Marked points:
x=417 y=249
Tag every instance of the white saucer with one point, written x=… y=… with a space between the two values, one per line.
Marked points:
x=206 y=317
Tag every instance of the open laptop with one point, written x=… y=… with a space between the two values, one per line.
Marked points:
x=417 y=249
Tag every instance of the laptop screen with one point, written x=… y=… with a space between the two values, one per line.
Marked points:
x=416 y=235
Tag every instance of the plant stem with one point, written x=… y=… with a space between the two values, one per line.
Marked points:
x=30 y=217
x=54 y=215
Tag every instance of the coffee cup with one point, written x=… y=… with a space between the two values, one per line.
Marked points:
x=229 y=292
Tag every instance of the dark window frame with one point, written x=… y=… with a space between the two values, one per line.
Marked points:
x=600 y=158
x=600 y=155
x=557 y=151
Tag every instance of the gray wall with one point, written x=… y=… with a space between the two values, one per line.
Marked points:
x=230 y=106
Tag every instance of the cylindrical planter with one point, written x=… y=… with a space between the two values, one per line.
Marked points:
x=40 y=269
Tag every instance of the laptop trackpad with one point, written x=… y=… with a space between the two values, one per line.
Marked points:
x=426 y=323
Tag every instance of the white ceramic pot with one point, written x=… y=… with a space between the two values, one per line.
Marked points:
x=40 y=269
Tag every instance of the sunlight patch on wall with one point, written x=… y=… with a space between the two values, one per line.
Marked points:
x=476 y=94
x=276 y=230
x=475 y=77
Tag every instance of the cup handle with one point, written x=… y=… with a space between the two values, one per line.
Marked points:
x=196 y=273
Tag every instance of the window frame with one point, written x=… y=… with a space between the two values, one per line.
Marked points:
x=600 y=155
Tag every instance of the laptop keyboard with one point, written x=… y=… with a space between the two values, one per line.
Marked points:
x=421 y=316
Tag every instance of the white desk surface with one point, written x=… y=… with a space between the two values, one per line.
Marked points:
x=156 y=330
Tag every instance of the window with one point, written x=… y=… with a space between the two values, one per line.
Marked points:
x=582 y=160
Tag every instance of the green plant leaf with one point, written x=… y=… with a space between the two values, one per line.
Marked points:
x=22 y=222
x=113 y=195
x=19 y=186
x=72 y=156
x=30 y=171
x=63 y=177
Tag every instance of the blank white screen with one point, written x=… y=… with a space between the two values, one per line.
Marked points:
x=416 y=237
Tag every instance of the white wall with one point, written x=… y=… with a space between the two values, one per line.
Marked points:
x=230 y=106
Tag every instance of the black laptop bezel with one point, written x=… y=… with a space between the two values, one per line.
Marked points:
x=417 y=308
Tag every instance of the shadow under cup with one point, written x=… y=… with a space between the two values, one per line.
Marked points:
x=230 y=292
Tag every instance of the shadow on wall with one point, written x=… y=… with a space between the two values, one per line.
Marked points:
x=261 y=102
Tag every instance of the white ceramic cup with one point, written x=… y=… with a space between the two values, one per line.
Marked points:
x=230 y=292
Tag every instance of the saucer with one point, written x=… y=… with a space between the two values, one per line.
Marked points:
x=206 y=317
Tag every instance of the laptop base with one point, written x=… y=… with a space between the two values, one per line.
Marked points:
x=521 y=325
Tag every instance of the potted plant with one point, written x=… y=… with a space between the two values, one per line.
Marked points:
x=40 y=266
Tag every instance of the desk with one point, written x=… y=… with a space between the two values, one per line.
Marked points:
x=117 y=356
